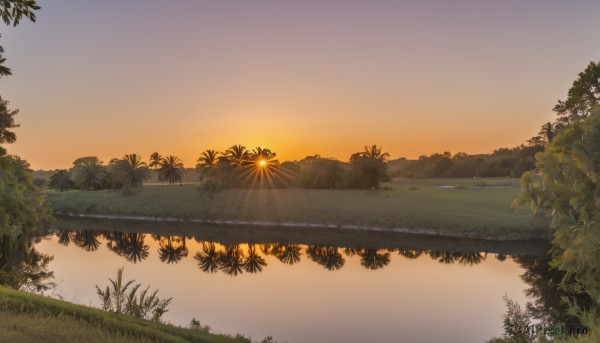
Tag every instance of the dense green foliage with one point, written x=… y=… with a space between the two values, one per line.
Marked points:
x=582 y=98
x=502 y=162
x=565 y=188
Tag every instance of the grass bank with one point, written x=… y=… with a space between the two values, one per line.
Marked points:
x=26 y=317
x=476 y=208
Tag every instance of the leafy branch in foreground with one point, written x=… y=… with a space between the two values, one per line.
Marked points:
x=144 y=305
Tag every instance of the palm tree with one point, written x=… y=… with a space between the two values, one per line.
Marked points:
x=89 y=173
x=155 y=160
x=548 y=131
x=61 y=180
x=264 y=157
x=374 y=152
x=237 y=155
x=131 y=171
x=207 y=164
x=171 y=170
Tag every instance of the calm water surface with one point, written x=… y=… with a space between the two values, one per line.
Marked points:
x=292 y=291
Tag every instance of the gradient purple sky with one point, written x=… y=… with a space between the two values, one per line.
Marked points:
x=108 y=78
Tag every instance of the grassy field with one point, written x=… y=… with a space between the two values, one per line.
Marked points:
x=26 y=317
x=478 y=208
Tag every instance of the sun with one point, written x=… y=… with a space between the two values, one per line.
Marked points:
x=262 y=163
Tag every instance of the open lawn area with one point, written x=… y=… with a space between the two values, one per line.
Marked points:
x=477 y=208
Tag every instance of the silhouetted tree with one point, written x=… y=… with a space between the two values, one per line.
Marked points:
x=171 y=170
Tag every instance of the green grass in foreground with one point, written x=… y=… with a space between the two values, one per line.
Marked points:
x=412 y=203
x=26 y=317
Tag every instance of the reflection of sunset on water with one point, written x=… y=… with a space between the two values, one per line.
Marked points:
x=207 y=278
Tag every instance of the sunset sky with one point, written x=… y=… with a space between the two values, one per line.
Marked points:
x=107 y=78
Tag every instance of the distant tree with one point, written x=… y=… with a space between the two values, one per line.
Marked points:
x=259 y=154
x=366 y=172
x=155 y=160
x=171 y=170
x=548 y=131
x=373 y=152
x=583 y=96
x=237 y=155
x=207 y=164
x=323 y=173
x=131 y=171
x=61 y=180
x=89 y=173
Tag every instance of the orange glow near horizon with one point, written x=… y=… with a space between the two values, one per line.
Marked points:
x=307 y=78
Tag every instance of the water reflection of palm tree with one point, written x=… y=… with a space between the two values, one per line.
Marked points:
x=231 y=261
x=471 y=258
x=129 y=245
x=253 y=263
x=208 y=258
x=87 y=240
x=289 y=253
x=446 y=257
x=64 y=237
x=329 y=256
x=410 y=254
x=374 y=259
x=135 y=249
x=173 y=250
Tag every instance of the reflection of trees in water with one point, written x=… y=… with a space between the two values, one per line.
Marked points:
x=208 y=258
x=410 y=254
x=546 y=301
x=22 y=267
x=129 y=245
x=466 y=258
x=231 y=261
x=87 y=240
x=327 y=256
x=374 y=259
x=253 y=263
x=546 y=295
x=288 y=253
x=173 y=249
x=64 y=237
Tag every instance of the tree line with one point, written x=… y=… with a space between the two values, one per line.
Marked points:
x=236 y=167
